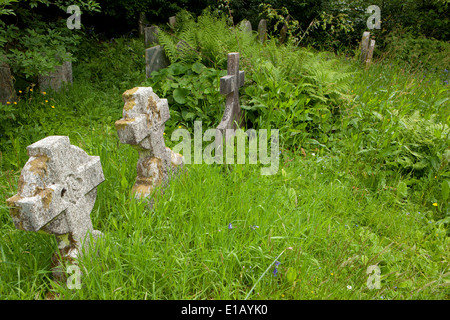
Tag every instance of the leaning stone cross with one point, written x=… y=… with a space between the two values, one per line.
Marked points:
x=230 y=85
x=142 y=126
x=57 y=189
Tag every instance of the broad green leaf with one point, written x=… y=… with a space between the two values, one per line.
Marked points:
x=180 y=95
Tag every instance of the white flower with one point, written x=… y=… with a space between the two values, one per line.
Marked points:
x=349 y=287
x=313 y=154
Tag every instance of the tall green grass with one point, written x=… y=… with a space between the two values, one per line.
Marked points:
x=340 y=202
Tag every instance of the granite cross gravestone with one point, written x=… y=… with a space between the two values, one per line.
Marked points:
x=57 y=189
x=142 y=126
x=229 y=85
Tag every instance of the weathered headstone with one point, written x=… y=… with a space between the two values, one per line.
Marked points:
x=151 y=35
x=55 y=80
x=56 y=192
x=141 y=23
x=365 y=46
x=172 y=22
x=229 y=85
x=155 y=59
x=245 y=26
x=142 y=126
x=370 y=52
x=262 y=30
x=284 y=29
x=7 y=93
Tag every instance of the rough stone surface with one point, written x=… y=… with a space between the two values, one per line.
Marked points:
x=7 y=92
x=56 y=193
x=370 y=52
x=54 y=80
x=229 y=85
x=284 y=29
x=151 y=35
x=142 y=126
x=262 y=30
x=365 y=46
x=155 y=59
x=245 y=26
x=172 y=21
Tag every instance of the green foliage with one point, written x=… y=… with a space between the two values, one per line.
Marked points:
x=192 y=91
x=417 y=52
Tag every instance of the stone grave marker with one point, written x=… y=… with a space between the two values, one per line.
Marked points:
x=7 y=92
x=56 y=193
x=262 y=30
x=142 y=126
x=245 y=26
x=365 y=46
x=370 y=52
x=155 y=59
x=284 y=29
x=229 y=85
x=151 y=35
x=172 y=22
x=141 y=23
x=54 y=80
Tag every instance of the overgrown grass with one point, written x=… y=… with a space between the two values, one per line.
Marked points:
x=336 y=206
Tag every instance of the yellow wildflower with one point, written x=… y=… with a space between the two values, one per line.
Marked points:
x=15 y=102
x=7 y=102
x=44 y=93
x=31 y=90
x=20 y=91
x=53 y=107
x=435 y=204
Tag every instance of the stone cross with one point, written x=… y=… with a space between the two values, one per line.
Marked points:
x=142 y=126
x=229 y=85
x=365 y=46
x=57 y=189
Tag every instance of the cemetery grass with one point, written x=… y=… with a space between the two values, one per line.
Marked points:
x=311 y=231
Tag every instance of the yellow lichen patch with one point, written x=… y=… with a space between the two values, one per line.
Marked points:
x=143 y=186
x=39 y=165
x=123 y=123
x=128 y=98
x=13 y=208
x=46 y=196
x=20 y=185
x=152 y=105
